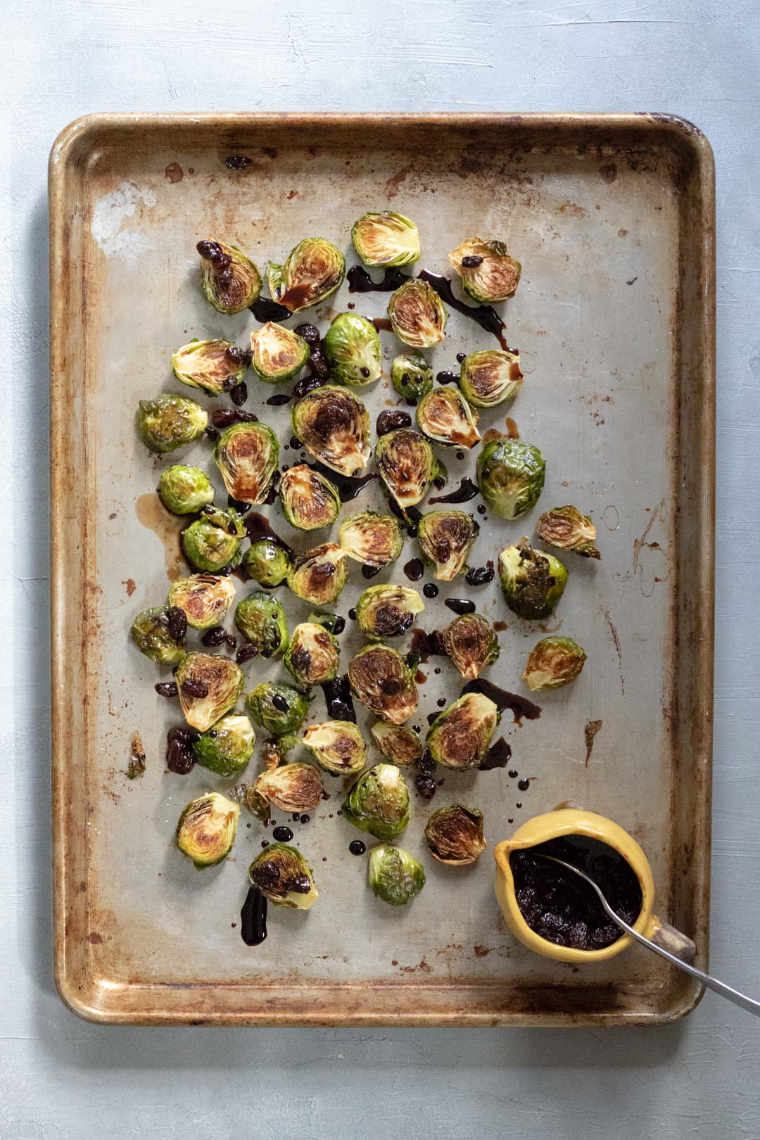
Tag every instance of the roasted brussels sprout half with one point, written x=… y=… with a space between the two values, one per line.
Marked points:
x=553 y=662
x=487 y=271
x=261 y=620
x=567 y=529
x=278 y=353
x=445 y=416
x=406 y=464
x=313 y=655
x=204 y=598
x=446 y=538
x=394 y=875
x=206 y=829
x=213 y=365
x=289 y=787
x=455 y=835
x=213 y=541
x=267 y=561
x=226 y=748
x=378 y=802
x=381 y=681
x=352 y=348
x=208 y=686
x=460 y=736
x=284 y=877
x=411 y=375
x=309 y=500
x=471 y=644
x=532 y=582
x=157 y=633
x=386 y=239
x=510 y=476
x=387 y=611
x=490 y=377
x=311 y=272
x=371 y=538
x=184 y=490
x=279 y=709
x=337 y=746
x=397 y=742
x=319 y=575
x=229 y=280
x=169 y=422
x=417 y=314
x=333 y=425
x=246 y=455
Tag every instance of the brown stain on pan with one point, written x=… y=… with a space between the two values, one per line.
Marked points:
x=153 y=515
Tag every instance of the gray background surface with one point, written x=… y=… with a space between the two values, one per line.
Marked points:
x=60 y=1077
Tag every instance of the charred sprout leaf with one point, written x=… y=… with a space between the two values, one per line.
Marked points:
x=445 y=416
x=446 y=539
x=411 y=375
x=397 y=742
x=229 y=280
x=155 y=635
x=206 y=829
x=553 y=662
x=510 y=476
x=208 y=686
x=227 y=747
x=278 y=353
x=319 y=575
x=394 y=875
x=387 y=611
x=246 y=455
x=261 y=620
x=337 y=746
x=284 y=877
x=371 y=538
x=417 y=314
x=406 y=464
x=169 y=422
x=213 y=365
x=471 y=644
x=459 y=737
x=490 y=377
x=487 y=271
x=352 y=348
x=313 y=655
x=386 y=239
x=312 y=271
x=455 y=835
x=204 y=598
x=532 y=582
x=568 y=529
x=184 y=490
x=278 y=709
x=268 y=562
x=333 y=425
x=378 y=802
x=291 y=787
x=381 y=681
x=309 y=500
x=213 y=541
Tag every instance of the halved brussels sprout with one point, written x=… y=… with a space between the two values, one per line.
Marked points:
x=319 y=575
x=510 y=476
x=313 y=655
x=213 y=365
x=290 y=787
x=337 y=746
x=455 y=835
x=204 y=598
x=213 y=541
x=406 y=464
x=411 y=375
x=487 y=271
x=267 y=561
x=158 y=635
x=386 y=239
x=532 y=582
x=261 y=619
x=471 y=644
x=387 y=611
x=397 y=742
x=378 y=802
x=567 y=529
x=284 y=877
x=417 y=314
x=446 y=538
x=309 y=500
x=229 y=280
x=246 y=455
x=169 y=422
x=445 y=416
x=553 y=662
x=184 y=490
x=206 y=829
x=311 y=272
x=381 y=681
x=278 y=353
x=279 y=709
x=208 y=687
x=490 y=377
x=394 y=875
x=226 y=748
x=352 y=348
x=459 y=737
x=333 y=425
x=371 y=538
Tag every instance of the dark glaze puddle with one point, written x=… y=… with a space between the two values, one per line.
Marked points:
x=497 y=756
x=258 y=527
x=267 y=310
x=253 y=918
x=462 y=494
x=359 y=281
x=484 y=315
x=520 y=706
x=340 y=704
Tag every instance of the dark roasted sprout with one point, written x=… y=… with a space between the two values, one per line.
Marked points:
x=378 y=802
x=371 y=538
x=267 y=561
x=455 y=835
x=278 y=354
x=417 y=314
x=309 y=500
x=208 y=687
x=204 y=599
x=411 y=375
x=261 y=619
x=386 y=239
x=487 y=271
x=446 y=538
x=445 y=416
x=471 y=644
x=289 y=787
x=490 y=377
x=383 y=683
x=337 y=746
x=169 y=422
x=226 y=748
x=460 y=736
x=157 y=633
x=510 y=476
x=206 y=829
x=333 y=425
x=553 y=662
x=406 y=464
x=246 y=455
x=397 y=742
x=229 y=280
x=284 y=877
x=394 y=875
x=214 y=366
x=184 y=490
x=212 y=542
x=387 y=610
x=532 y=582
x=312 y=271
x=278 y=709
x=312 y=655
x=352 y=348
x=567 y=529
x=319 y=575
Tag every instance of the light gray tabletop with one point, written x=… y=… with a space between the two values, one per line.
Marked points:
x=62 y=1078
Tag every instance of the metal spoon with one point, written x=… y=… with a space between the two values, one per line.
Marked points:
x=729 y=992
